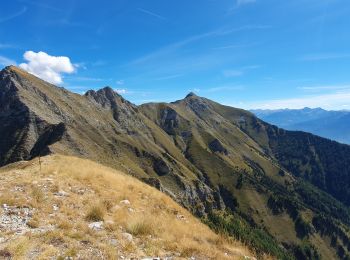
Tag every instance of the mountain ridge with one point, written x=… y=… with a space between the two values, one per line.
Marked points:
x=221 y=163
x=329 y=124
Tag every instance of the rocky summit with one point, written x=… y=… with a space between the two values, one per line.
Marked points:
x=283 y=194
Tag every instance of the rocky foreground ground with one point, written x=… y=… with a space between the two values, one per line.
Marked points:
x=69 y=208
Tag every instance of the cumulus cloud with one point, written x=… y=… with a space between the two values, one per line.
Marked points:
x=47 y=67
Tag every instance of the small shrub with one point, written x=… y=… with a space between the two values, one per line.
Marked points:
x=18 y=247
x=189 y=252
x=33 y=223
x=140 y=228
x=55 y=188
x=4 y=253
x=72 y=252
x=95 y=213
x=108 y=204
x=37 y=194
x=64 y=224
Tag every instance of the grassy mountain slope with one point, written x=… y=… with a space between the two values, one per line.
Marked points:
x=39 y=118
x=245 y=165
x=74 y=207
x=243 y=177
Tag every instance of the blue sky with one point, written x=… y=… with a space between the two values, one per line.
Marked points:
x=243 y=53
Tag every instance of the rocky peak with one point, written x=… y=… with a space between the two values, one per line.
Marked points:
x=7 y=73
x=191 y=94
x=9 y=69
x=13 y=72
x=196 y=103
x=106 y=97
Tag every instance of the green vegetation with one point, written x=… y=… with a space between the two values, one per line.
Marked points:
x=233 y=224
x=306 y=251
x=322 y=162
x=285 y=193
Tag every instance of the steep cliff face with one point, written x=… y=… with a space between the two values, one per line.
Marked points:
x=23 y=132
x=254 y=181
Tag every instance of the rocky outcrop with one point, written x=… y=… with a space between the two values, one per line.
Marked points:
x=161 y=167
x=169 y=120
x=23 y=133
x=124 y=113
x=154 y=182
x=200 y=198
x=216 y=146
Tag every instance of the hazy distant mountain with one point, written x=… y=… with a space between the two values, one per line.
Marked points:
x=333 y=125
x=280 y=192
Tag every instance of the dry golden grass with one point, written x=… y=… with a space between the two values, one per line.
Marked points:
x=159 y=226
x=95 y=213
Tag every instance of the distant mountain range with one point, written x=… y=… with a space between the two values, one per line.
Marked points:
x=334 y=125
x=282 y=193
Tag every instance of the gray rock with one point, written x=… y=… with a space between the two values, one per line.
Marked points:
x=61 y=193
x=127 y=237
x=15 y=219
x=125 y=202
x=113 y=242
x=97 y=226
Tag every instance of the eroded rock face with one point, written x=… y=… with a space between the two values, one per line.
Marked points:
x=216 y=146
x=23 y=133
x=169 y=120
x=201 y=198
x=197 y=104
x=124 y=113
x=154 y=182
x=161 y=167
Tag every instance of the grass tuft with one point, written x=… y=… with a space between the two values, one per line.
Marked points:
x=140 y=227
x=95 y=213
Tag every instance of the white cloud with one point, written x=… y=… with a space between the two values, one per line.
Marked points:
x=121 y=91
x=224 y=88
x=239 y=72
x=244 y=2
x=164 y=52
x=47 y=67
x=87 y=79
x=325 y=88
x=6 y=46
x=13 y=15
x=151 y=13
x=338 y=100
x=169 y=77
x=195 y=90
x=120 y=82
x=6 y=61
x=233 y=73
x=324 y=56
